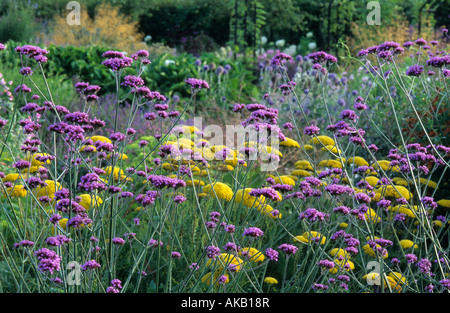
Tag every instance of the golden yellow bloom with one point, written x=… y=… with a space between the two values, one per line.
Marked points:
x=35 y=162
x=62 y=223
x=406 y=244
x=88 y=202
x=337 y=252
x=118 y=173
x=357 y=161
x=444 y=203
x=99 y=138
x=226 y=261
x=372 y=216
x=252 y=254
x=369 y=251
x=398 y=277
x=346 y=265
x=330 y=163
x=194 y=182
x=394 y=191
x=300 y=238
x=242 y=196
x=12 y=177
x=48 y=190
x=375 y=278
x=91 y=148
x=428 y=183
x=270 y=280
x=301 y=173
x=332 y=149
x=267 y=210
x=120 y=156
x=325 y=140
x=343 y=225
x=290 y=143
x=17 y=191
x=284 y=180
x=308 y=147
x=404 y=209
x=314 y=236
x=222 y=190
x=32 y=169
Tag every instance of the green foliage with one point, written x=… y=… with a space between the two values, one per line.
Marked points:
x=17 y=24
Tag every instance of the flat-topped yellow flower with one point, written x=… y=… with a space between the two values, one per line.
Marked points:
x=270 y=280
x=313 y=236
x=372 y=180
x=332 y=149
x=87 y=201
x=283 y=179
x=444 y=203
x=12 y=177
x=117 y=172
x=221 y=190
x=325 y=140
x=394 y=191
x=99 y=138
x=120 y=156
x=194 y=182
x=243 y=196
x=342 y=264
x=406 y=244
x=226 y=261
x=330 y=163
x=48 y=190
x=357 y=161
x=34 y=159
x=302 y=173
x=338 y=252
x=290 y=143
x=17 y=191
x=252 y=254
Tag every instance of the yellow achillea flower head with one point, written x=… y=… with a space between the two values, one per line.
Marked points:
x=444 y=203
x=314 y=236
x=429 y=183
x=118 y=173
x=17 y=191
x=284 y=180
x=35 y=162
x=330 y=163
x=222 y=190
x=406 y=244
x=252 y=254
x=302 y=173
x=88 y=202
x=372 y=180
x=48 y=190
x=325 y=140
x=290 y=143
x=372 y=216
x=332 y=149
x=226 y=261
x=270 y=280
x=342 y=264
x=394 y=191
x=242 y=196
x=99 y=138
x=88 y=148
x=120 y=156
x=12 y=177
x=357 y=161
x=194 y=182
x=338 y=252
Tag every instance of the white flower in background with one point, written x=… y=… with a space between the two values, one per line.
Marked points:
x=312 y=45
x=168 y=62
x=291 y=49
x=309 y=34
x=280 y=43
x=147 y=38
x=263 y=40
